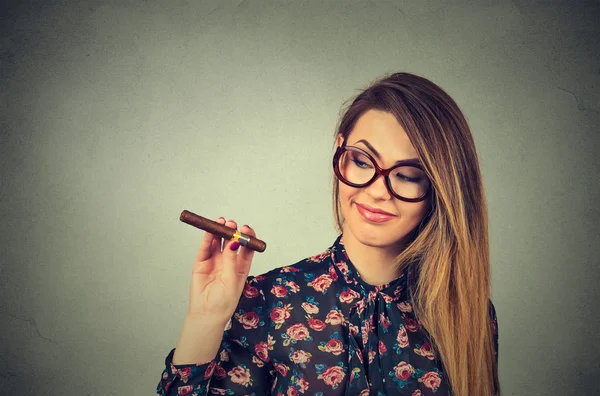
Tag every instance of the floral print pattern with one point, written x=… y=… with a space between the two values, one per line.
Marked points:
x=316 y=328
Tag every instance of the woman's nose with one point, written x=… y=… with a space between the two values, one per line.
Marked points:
x=378 y=189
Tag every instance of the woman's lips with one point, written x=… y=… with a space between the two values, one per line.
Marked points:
x=372 y=216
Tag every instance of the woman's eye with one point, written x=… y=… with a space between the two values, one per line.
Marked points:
x=401 y=177
x=359 y=163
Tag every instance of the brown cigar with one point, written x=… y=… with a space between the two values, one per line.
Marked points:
x=223 y=231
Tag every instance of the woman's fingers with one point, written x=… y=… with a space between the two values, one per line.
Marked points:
x=230 y=224
x=244 y=259
x=208 y=243
x=235 y=266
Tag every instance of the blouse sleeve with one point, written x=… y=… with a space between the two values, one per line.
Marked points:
x=242 y=363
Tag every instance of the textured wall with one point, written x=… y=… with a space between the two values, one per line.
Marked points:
x=117 y=115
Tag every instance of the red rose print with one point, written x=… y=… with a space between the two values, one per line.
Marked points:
x=210 y=370
x=281 y=368
x=402 y=338
x=298 y=332
x=240 y=375
x=333 y=273
x=334 y=346
x=334 y=317
x=416 y=393
x=316 y=324
x=411 y=324
x=386 y=298
x=310 y=308
x=184 y=390
x=372 y=295
x=333 y=376
x=384 y=321
x=431 y=380
x=300 y=357
x=184 y=373
x=403 y=371
x=347 y=296
x=289 y=269
x=382 y=348
x=321 y=283
x=224 y=356
x=293 y=286
x=250 y=291
x=371 y=355
x=360 y=305
x=217 y=391
x=404 y=306
x=257 y=361
x=343 y=267
x=279 y=291
x=262 y=351
x=249 y=320
x=426 y=351
x=359 y=355
x=302 y=385
x=291 y=391
x=365 y=333
x=319 y=257
x=280 y=314
x=220 y=373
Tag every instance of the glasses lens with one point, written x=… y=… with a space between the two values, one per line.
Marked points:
x=356 y=167
x=406 y=181
x=409 y=181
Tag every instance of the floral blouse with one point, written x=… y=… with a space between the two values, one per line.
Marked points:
x=316 y=328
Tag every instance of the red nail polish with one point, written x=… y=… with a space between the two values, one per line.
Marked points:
x=234 y=246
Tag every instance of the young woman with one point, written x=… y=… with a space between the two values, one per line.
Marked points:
x=399 y=304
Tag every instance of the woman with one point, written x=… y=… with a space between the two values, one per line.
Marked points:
x=398 y=305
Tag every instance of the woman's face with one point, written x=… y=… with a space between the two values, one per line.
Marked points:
x=388 y=143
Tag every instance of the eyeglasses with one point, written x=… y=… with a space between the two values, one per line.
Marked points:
x=406 y=180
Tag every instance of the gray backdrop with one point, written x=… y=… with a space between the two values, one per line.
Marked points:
x=117 y=115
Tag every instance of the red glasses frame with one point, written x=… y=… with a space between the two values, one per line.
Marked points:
x=379 y=171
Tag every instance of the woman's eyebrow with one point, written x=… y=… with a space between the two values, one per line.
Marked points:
x=363 y=141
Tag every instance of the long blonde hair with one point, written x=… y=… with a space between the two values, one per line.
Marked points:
x=450 y=250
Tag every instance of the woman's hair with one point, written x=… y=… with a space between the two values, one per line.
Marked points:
x=449 y=253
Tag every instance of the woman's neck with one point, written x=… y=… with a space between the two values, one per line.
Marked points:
x=375 y=264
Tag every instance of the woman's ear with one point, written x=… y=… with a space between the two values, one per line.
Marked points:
x=338 y=141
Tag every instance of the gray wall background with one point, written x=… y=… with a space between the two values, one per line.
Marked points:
x=117 y=115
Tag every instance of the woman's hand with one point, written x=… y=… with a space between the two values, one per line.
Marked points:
x=218 y=277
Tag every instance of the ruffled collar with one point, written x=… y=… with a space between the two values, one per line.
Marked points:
x=347 y=271
x=371 y=322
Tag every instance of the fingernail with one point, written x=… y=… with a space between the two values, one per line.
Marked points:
x=246 y=225
x=234 y=246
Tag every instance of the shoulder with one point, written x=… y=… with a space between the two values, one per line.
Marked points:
x=493 y=316
x=491 y=309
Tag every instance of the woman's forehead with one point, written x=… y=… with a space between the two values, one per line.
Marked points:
x=383 y=135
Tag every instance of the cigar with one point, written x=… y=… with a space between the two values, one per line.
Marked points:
x=223 y=231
